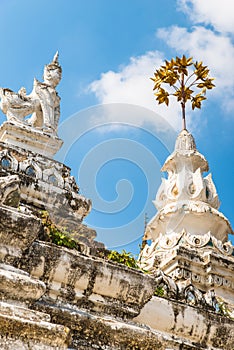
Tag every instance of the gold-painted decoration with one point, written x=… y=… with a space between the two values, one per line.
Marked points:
x=189 y=81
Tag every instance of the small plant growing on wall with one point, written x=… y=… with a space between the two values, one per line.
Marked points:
x=124 y=258
x=56 y=235
x=223 y=309
x=159 y=291
x=185 y=79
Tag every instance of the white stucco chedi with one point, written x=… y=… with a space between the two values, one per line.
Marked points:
x=186 y=197
x=189 y=236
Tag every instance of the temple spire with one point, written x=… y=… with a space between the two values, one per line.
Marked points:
x=188 y=221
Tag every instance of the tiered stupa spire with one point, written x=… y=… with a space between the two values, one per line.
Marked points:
x=189 y=236
x=188 y=232
x=186 y=197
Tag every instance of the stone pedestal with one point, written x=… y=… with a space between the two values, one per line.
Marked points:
x=43 y=183
x=26 y=137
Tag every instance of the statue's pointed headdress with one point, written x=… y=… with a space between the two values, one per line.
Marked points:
x=55 y=63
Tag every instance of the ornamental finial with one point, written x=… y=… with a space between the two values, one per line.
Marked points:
x=188 y=81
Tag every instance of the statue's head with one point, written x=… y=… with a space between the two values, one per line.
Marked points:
x=53 y=72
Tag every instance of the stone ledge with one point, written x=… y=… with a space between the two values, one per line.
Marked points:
x=193 y=324
x=30 y=139
x=89 y=331
x=17 y=232
x=88 y=282
x=19 y=286
x=12 y=310
x=17 y=333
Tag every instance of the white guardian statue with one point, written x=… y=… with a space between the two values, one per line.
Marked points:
x=32 y=119
x=43 y=103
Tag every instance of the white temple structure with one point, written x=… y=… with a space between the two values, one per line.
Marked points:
x=189 y=236
x=57 y=296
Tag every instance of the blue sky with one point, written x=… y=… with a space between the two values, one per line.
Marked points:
x=116 y=137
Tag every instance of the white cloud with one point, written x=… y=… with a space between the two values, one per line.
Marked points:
x=131 y=84
x=218 y=13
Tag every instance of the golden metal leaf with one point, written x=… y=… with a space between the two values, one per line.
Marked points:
x=176 y=75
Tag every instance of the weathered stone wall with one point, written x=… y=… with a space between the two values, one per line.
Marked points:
x=53 y=297
x=109 y=306
x=86 y=281
x=198 y=325
x=58 y=298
